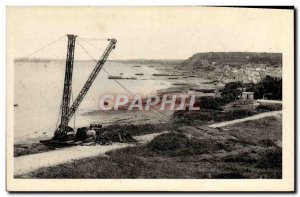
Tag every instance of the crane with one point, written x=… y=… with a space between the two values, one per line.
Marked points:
x=66 y=111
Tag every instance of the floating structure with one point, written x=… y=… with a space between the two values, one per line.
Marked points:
x=121 y=78
x=114 y=77
x=160 y=75
x=31 y=60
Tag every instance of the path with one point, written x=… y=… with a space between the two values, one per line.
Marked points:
x=255 y=117
x=269 y=101
x=29 y=163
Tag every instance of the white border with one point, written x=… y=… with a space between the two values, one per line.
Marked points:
x=5 y=3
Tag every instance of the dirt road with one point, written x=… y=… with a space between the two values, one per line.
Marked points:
x=258 y=116
x=29 y=163
x=269 y=101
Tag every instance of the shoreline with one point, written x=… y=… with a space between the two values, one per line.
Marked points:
x=119 y=118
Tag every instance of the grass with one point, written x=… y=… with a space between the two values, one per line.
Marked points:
x=262 y=132
x=26 y=149
x=174 y=144
x=173 y=155
x=203 y=117
x=140 y=129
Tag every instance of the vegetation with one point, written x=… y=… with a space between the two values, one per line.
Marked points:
x=176 y=144
x=140 y=129
x=202 y=117
x=210 y=103
x=269 y=107
x=173 y=155
x=27 y=149
x=268 y=86
x=232 y=91
x=265 y=60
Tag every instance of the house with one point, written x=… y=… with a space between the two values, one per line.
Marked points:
x=245 y=101
x=247 y=96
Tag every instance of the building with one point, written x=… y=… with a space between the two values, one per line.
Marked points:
x=247 y=96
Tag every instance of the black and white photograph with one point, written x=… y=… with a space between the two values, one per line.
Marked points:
x=150 y=94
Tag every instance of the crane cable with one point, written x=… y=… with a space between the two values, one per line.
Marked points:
x=94 y=39
x=132 y=94
x=59 y=114
x=74 y=112
x=111 y=54
x=39 y=49
x=47 y=45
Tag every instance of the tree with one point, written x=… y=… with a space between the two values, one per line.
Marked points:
x=231 y=91
x=208 y=102
x=269 y=85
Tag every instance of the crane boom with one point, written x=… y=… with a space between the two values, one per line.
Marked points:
x=91 y=78
x=61 y=131
x=68 y=80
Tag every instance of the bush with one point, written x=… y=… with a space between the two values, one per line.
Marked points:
x=267 y=86
x=269 y=107
x=231 y=91
x=174 y=144
x=209 y=102
x=203 y=117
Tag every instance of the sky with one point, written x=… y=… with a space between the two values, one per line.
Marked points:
x=148 y=32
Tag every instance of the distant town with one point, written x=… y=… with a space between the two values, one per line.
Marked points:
x=248 y=73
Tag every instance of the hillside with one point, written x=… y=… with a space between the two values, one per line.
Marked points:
x=205 y=60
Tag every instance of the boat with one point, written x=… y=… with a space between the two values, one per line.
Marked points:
x=137 y=66
x=114 y=77
x=159 y=75
x=16 y=105
x=139 y=74
x=131 y=78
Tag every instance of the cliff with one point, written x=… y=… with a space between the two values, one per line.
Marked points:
x=219 y=59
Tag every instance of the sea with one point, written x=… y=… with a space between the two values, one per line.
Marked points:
x=38 y=87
